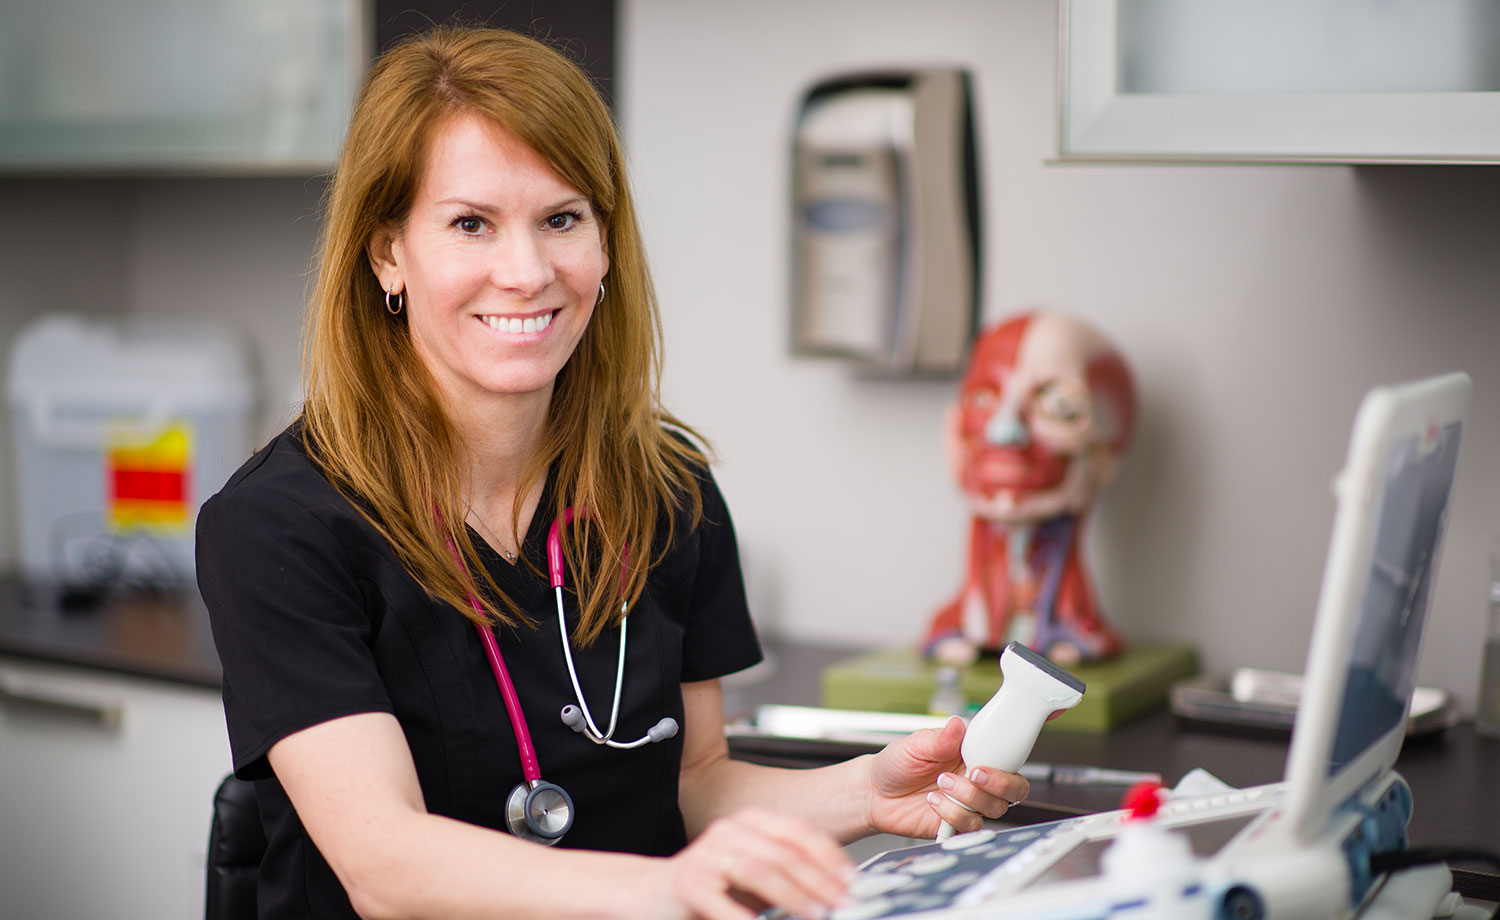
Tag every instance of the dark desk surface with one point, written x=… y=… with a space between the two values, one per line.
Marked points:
x=1453 y=775
x=163 y=638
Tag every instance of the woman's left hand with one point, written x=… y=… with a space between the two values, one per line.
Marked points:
x=912 y=779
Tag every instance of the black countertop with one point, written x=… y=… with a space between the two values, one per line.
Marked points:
x=1454 y=775
x=161 y=637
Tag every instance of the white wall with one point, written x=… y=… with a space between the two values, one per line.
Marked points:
x=238 y=249
x=1256 y=304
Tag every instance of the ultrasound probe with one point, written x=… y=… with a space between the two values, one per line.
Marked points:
x=1002 y=734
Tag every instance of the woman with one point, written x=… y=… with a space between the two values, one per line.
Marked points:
x=482 y=358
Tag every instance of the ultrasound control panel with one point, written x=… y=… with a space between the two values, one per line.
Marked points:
x=937 y=875
x=1033 y=864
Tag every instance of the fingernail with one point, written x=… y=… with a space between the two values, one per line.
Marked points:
x=946 y=781
x=934 y=799
x=978 y=776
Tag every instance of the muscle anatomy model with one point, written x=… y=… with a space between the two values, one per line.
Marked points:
x=1045 y=412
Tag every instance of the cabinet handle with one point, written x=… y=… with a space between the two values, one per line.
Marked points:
x=22 y=694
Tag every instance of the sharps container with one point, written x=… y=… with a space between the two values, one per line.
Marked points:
x=121 y=429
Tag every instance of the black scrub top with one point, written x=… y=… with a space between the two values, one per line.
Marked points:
x=314 y=618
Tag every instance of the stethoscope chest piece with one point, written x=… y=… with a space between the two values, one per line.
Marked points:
x=539 y=811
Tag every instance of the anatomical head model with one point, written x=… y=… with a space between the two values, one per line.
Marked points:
x=1045 y=412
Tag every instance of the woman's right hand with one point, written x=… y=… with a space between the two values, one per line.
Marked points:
x=753 y=859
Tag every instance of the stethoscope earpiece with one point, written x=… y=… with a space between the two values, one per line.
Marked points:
x=662 y=730
x=578 y=720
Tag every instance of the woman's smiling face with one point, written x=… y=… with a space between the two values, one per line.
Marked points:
x=500 y=261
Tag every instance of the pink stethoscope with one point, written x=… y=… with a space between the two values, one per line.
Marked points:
x=536 y=809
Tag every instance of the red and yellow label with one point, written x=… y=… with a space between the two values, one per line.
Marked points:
x=147 y=481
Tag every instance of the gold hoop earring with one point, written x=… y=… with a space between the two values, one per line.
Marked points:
x=395 y=306
x=601 y=294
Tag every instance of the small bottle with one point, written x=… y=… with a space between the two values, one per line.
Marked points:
x=948 y=694
x=1487 y=720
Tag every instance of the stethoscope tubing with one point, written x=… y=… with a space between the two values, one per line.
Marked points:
x=555 y=575
x=593 y=733
x=527 y=751
x=530 y=769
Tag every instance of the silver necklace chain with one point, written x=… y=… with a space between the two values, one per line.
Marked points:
x=510 y=555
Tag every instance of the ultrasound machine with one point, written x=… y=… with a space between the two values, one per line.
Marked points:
x=1312 y=846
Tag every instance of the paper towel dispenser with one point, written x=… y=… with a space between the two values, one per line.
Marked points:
x=886 y=226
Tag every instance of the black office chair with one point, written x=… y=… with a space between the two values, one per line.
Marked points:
x=236 y=842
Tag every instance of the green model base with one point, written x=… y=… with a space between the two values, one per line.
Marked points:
x=1120 y=689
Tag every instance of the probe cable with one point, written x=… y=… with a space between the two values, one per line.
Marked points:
x=1396 y=860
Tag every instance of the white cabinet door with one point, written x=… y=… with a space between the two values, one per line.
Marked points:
x=1346 y=81
x=106 y=793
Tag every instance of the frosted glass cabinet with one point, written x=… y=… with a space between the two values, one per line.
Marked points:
x=215 y=86
x=1280 y=80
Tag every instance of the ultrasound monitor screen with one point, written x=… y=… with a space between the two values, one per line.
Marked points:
x=1383 y=656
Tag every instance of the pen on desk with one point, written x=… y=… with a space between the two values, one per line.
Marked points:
x=1085 y=776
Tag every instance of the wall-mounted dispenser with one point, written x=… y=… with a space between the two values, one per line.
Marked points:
x=885 y=223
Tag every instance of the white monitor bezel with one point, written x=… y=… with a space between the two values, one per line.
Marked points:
x=1386 y=416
